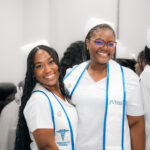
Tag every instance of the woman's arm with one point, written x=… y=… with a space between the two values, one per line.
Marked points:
x=137 y=132
x=45 y=139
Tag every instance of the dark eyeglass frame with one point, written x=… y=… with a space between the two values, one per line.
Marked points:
x=113 y=43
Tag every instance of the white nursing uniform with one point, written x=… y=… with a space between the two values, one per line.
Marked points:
x=145 y=86
x=90 y=100
x=37 y=113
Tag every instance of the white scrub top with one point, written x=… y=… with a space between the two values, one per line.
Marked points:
x=37 y=113
x=145 y=87
x=90 y=97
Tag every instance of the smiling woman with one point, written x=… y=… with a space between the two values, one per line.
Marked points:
x=46 y=70
x=112 y=101
x=46 y=119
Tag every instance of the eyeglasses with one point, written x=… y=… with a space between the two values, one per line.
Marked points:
x=102 y=43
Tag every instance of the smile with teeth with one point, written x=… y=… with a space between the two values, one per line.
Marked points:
x=102 y=54
x=50 y=77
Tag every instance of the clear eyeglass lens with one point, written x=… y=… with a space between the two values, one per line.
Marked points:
x=99 y=42
x=102 y=43
x=111 y=44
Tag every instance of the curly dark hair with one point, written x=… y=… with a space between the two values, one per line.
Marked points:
x=141 y=59
x=23 y=140
x=72 y=56
x=147 y=55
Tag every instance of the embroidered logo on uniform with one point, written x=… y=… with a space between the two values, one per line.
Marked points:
x=62 y=133
x=115 y=102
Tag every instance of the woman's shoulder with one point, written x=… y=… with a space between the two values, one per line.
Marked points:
x=131 y=78
x=36 y=98
x=146 y=71
x=145 y=76
x=38 y=92
x=128 y=73
x=76 y=68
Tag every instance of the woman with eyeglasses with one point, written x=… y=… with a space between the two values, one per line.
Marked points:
x=107 y=97
x=47 y=121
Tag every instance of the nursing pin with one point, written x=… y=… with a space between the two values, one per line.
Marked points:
x=59 y=113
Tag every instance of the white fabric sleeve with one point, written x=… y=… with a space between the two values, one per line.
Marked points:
x=37 y=112
x=69 y=69
x=134 y=103
x=145 y=88
x=145 y=75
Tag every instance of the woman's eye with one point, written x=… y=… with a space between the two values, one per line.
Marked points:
x=110 y=44
x=51 y=61
x=38 y=66
x=99 y=42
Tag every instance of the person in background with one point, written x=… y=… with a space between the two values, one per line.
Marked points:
x=9 y=119
x=47 y=121
x=145 y=87
x=7 y=93
x=130 y=63
x=72 y=56
x=107 y=97
x=140 y=64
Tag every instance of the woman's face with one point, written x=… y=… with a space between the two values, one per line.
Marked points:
x=98 y=53
x=46 y=70
x=138 y=69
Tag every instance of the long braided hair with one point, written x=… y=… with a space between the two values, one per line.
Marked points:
x=23 y=140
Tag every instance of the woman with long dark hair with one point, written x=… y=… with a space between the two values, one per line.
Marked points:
x=46 y=118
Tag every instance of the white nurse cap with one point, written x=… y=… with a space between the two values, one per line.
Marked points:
x=92 y=22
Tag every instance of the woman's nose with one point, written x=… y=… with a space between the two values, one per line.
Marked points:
x=47 y=69
x=105 y=47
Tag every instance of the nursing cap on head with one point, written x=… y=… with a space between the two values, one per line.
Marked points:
x=28 y=47
x=92 y=22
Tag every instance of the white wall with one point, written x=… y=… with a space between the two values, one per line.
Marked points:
x=61 y=22
x=134 y=23
x=22 y=22
x=10 y=39
x=36 y=20
x=36 y=25
x=68 y=19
